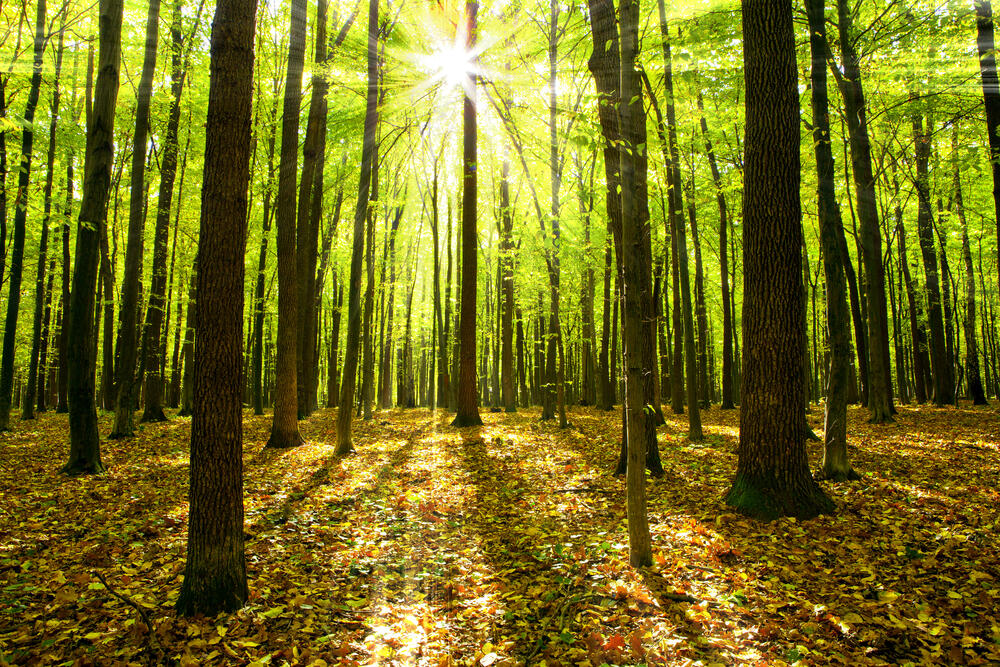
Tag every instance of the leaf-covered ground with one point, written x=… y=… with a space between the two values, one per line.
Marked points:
x=506 y=545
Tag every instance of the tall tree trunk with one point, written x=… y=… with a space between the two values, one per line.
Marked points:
x=215 y=577
x=20 y=218
x=991 y=95
x=257 y=339
x=35 y=388
x=367 y=351
x=507 y=384
x=637 y=285
x=975 y=381
x=468 y=403
x=727 y=313
x=772 y=474
x=128 y=311
x=158 y=304
x=310 y=195
x=880 y=379
x=588 y=392
x=84 y=441
x=368 y=158
x=285 y=427
x=701 y=312
x=925 y=234
x=835 y=462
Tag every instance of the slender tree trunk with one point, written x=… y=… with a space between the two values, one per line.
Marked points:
x=468 y=403
x=84 y=442
x=20 y=218
x=367 y=351
x=215 y=574
x=35 y=388
x=975 y=382
x=285 y=427
x=368 y=157
x=257 y=341
x=772 y=474
x=991 y=95
x=158 y=304
x=128 y=311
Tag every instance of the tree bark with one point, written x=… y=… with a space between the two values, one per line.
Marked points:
x=975 y=382
x=772 y=474
x=215 y=574
x=991 y=95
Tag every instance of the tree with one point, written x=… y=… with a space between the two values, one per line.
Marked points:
x=637 y=285
x=368 y=155
x=84 y=441
x=468 y=399
x=835 y=463
x=772 y=474
x=285 y=425
x=128 y=311
x=215 y=577
x=991 y=95
x=20 y=218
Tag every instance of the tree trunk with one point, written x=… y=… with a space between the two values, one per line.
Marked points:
x=637 y=285
x=772 y=474
x=158 y=304
x=84 y=441
x=128 y=311
x=991 y=95
x=20 y=218
x=468 y=403
x=285 y=427
x=835 y=462
x=975 y=382
x=257 y=338
x=368 y=157
x=215 y=577
x=35 y=388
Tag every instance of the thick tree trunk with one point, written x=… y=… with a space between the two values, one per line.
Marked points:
x=467 y=399
x=772 y=474
x=20 y=218
x=215 y=577
x=128 y=311
x=991 y=95
x=84 y=441
x=285 y=427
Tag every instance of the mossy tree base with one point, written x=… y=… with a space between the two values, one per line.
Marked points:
x=283 y=440
x=156 y=415
x=767 y=500
x=79 y=468
x=462 y=421
x=211 y=595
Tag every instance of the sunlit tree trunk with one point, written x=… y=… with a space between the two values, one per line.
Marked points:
x=257 y=336
x=215 y=577
x=84 y=441
x=285 y=427
x=991 y=95
x=772 y=474
x=975 y=382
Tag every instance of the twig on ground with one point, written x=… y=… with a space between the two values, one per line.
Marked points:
x=135 y=605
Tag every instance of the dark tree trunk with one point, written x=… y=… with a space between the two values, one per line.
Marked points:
x=257 y=337
x=128 y=311
x=772 y=474
x=879 y=381
x=975 y=382
x=35 y=387
x=700 y=310
x=925 y=234
x=84 y=441
x=991 y=95
x=285 y=427
x=835 y=462
x=368 y=158
x=215 y=578
x=158 y=304
x=727 y=313
x=468 y=403
x=20 y=218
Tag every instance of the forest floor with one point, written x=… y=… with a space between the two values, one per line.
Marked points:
x=507 y=544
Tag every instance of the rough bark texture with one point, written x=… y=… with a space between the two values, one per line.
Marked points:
x=285 y=426
x=215 y=577
x=991 y=95
x=84 y=442
x=772 y=475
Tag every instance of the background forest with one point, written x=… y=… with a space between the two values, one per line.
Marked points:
x=484 y=210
